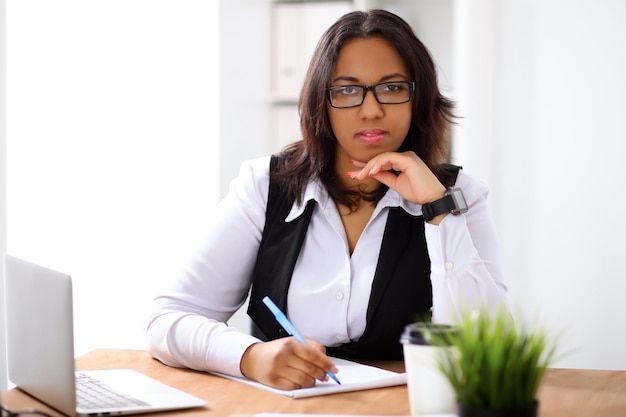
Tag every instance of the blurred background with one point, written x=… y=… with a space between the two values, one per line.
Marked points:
x=122 y=123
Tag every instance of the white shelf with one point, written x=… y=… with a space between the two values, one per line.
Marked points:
x=282 y=99
x=296 y=27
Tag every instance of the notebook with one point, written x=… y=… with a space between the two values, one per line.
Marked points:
x=40 y=350
x=354 y=376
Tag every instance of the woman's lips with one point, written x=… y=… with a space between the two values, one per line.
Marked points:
x=371 y=135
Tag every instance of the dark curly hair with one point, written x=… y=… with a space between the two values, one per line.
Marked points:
x=314 y=155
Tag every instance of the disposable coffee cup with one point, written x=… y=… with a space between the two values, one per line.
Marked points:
x=429 y=390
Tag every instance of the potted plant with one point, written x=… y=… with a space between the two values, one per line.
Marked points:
x=496 y=365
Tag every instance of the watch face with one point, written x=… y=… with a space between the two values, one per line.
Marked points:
x=459 y=200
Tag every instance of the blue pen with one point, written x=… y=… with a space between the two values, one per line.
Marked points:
x=289 y=328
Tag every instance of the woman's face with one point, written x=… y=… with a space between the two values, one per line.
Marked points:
x=371 y=128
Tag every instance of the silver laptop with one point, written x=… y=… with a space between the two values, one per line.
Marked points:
x=40 y=350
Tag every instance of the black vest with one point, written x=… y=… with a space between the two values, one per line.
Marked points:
x=401 y=290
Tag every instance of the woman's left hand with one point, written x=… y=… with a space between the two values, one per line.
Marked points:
x=412 y=178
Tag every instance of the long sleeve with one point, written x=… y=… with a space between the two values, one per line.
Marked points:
x=465 y=260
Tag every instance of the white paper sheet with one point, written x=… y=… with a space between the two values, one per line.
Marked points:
x=353 y=376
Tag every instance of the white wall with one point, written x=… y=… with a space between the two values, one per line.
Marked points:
x=243 y=69
x=111 y=145
x=243 y=64
x=556 y=148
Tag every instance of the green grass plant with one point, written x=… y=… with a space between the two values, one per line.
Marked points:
x=496 y=363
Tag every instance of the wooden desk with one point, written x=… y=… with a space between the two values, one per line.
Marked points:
x=564 y=392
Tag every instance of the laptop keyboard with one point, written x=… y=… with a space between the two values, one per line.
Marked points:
x=93 y=394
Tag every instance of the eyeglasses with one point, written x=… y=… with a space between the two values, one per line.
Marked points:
x=5 y=412
x=346 y=96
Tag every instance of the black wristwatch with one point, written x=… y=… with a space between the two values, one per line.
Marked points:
x=452 y=202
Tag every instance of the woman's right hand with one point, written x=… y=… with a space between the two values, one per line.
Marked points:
x=286 y=363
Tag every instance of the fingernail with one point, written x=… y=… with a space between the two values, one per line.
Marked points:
x=351 y=175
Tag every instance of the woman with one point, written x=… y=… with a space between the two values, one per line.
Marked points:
x=352 y=231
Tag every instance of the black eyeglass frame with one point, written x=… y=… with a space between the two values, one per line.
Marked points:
x=371 y=88
x=6 y=412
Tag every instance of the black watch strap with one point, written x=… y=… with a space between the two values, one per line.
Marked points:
x=437 y=207
x=453 y=202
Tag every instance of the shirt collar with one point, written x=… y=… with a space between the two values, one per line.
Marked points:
x=316 y=191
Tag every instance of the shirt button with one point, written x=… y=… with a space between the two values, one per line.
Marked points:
x=449 y=266
x=339 y=296
x=339 y=338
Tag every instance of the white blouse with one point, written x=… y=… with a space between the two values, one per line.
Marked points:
x=329 y=290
